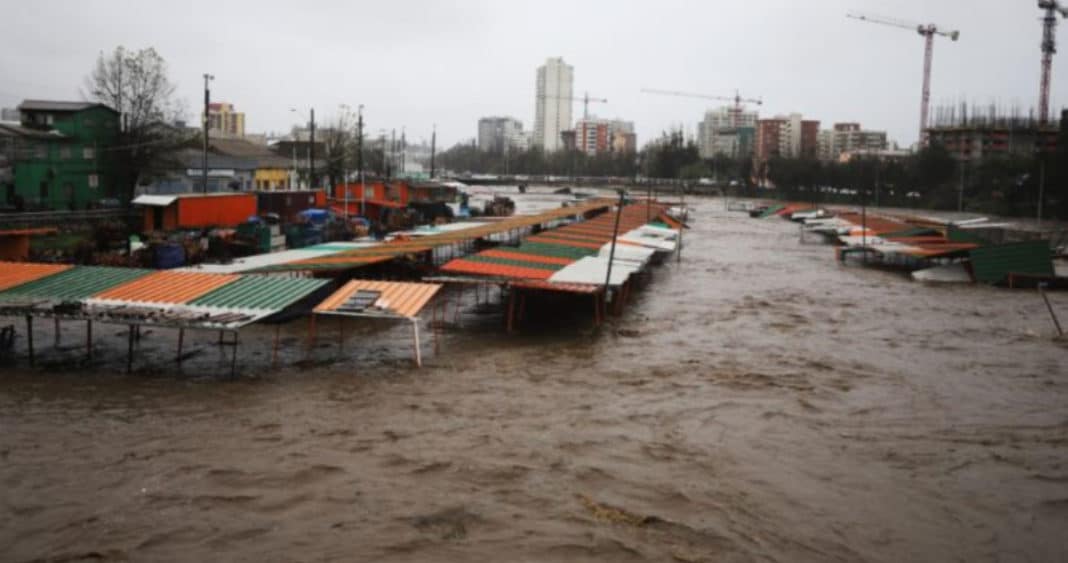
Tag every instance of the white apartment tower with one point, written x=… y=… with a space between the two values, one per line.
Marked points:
x=552 y=105
x=726 y=131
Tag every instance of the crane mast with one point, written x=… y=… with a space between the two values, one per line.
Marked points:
x=928 y=32
x=1049 y=47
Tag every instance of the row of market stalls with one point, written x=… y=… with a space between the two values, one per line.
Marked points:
x=558 y=250
x=970 y=250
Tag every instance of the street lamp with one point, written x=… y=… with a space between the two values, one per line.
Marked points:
x=345 y=110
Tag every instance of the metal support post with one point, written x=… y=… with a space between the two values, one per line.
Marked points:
x=1052 y=314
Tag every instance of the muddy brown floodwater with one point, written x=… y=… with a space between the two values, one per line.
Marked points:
x=757 y=402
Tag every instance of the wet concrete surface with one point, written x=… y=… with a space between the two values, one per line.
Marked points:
x=757 y=402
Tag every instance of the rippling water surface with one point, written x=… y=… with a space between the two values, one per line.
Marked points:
x=757 y=402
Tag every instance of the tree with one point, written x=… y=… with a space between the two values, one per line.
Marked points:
x=339 y=143
x=135 y=83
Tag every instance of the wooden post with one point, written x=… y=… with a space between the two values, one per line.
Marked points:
x=181 y=341
x=274 y=349
x=56 y=335
x=511 y=309
x=233 y=358
x=522 y=306
x=311 y=336
x=596 y=309
x=340 y=335
x=29 y=337
x=129 y=349
x=415 y=337
x=89 y=339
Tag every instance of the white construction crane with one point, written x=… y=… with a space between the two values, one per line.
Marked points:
x=928 y=31
x=585 y=99
x=737 y=99
x=1049 y=47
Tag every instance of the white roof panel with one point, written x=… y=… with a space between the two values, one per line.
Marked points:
x=154 y=200
x=593 y=269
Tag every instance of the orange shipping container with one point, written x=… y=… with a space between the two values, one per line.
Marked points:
x=227 y=210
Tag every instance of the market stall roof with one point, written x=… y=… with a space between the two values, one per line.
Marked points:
x=395 y=249
x=13 y=274
x=384 y=299
x=75 y=283
x=166 y=287
x=260 y=292
x=592 y=270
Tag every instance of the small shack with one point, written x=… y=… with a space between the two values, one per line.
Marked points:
x=192 y=210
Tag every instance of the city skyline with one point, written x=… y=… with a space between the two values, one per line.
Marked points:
x=876 y=80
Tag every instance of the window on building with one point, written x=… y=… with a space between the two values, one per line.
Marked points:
x=64 y=152
x=88 y=153
x=94 y=181
x=44 y=190
x=40 y=152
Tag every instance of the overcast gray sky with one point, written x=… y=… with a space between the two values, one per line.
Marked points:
x=415 y=63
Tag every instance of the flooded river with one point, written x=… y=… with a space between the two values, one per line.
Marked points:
x=757 y=402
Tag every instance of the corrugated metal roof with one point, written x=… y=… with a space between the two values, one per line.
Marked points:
x=13 y=274
x=992 y=264
x=404 y=299
x=592 y=270
x=463 y=266
x=167 y=287
x=52 y=105
x=76 y=283
x=525 y=256
x=260 y=292
x=389 y=251
x=522 y=262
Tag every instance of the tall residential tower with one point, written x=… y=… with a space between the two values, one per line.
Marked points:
x=552 y=105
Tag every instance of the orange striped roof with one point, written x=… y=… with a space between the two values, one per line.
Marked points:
x=167 y=287
x=401 y=298
x=17 y=273
x=461 y=266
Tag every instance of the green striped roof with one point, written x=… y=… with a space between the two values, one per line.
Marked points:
x=80 y=282
x=260 y=292
x=771 y=211
x=552 y=249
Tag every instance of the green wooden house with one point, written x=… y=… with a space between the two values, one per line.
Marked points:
x=59 y=155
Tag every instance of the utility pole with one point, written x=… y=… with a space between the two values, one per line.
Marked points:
x=433 y=149
x=359 y=157
x=392 y=153
x=359 y=140
x=207 y=121
x=311 y=152
x=960 y=190
x=403 y=149
x=1041 y=184
x=612 y=251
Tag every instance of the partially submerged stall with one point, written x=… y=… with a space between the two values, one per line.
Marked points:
x=136 y=298
x=401 y=301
